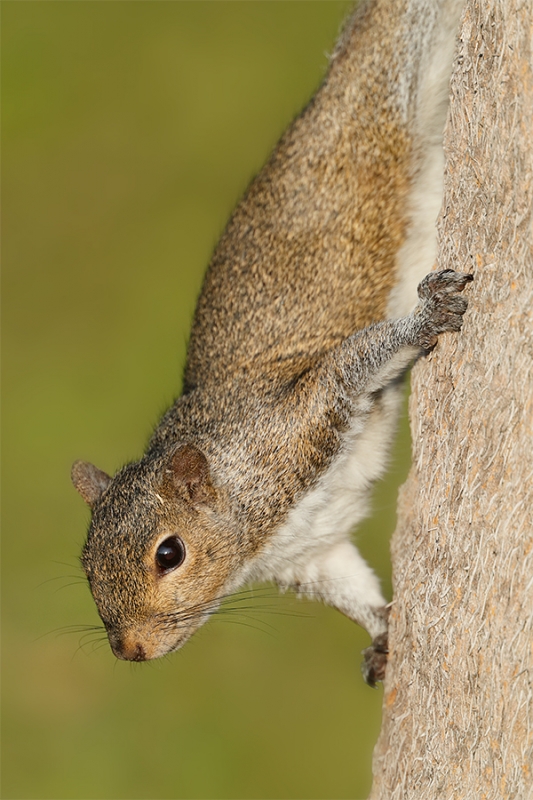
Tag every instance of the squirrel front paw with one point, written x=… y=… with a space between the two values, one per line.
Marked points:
x=375 y=660
x=441 y=308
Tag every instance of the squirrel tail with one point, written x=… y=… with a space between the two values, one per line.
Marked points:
x=416 y=47
x=431 y=100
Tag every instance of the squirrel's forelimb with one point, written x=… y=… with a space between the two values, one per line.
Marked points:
x=345 y=392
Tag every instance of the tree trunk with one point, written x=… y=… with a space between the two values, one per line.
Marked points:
x=458 y=703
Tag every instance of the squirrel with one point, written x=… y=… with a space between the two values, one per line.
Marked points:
x=305 y=326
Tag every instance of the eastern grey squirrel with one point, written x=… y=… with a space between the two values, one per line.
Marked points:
x=302 y=333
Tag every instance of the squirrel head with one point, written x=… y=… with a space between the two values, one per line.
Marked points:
x=158 y=554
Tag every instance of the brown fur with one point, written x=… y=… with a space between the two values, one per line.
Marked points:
x=309 y=255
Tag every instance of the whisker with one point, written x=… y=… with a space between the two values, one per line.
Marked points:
x=61 y=578
x=272 y=611
x=90 y=636
x=73 y=583
x=98 y=644
x=67 y=629
x=182 y=619
x=98 y=647
x=222 y=602
x=246 y=625
x=80 y=646
x=75 y=565
x=230 y=604
x=236 y=613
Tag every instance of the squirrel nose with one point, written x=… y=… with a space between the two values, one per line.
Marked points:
x=138 y=654
x=128 y=649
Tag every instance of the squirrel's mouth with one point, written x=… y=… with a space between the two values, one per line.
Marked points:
x=132 y=647
x=150 y=642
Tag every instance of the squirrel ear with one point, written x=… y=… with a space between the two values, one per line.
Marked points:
x=90 y=481
x=190 y=474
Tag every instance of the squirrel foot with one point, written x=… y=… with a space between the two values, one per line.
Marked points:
x=441 y=306
x=375 y=660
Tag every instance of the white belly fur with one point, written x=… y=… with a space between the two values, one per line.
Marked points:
x=330 y=511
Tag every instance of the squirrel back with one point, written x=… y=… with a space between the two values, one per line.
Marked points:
x=325 y=233
x=301 y=335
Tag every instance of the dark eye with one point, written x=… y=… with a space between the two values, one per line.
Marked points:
x=170 y=554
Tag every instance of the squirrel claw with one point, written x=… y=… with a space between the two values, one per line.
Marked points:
x=441 y=306
x=375 y=660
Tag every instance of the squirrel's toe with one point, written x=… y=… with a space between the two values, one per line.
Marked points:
x=375 y=660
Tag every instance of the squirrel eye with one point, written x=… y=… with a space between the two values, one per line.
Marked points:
x=170 y=554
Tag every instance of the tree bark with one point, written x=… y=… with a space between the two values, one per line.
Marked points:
x=458 y=702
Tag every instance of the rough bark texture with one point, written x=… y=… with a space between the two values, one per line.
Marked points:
x=458 y=704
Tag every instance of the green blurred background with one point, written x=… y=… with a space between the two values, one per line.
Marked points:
x=130 y=129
